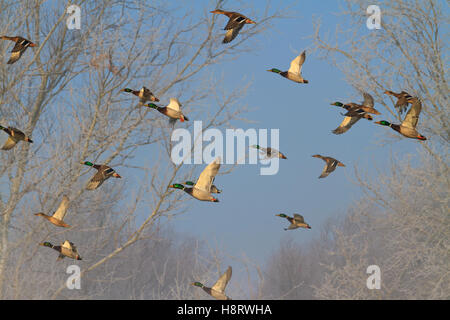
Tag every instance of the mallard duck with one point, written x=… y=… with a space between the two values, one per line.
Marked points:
x=234 y=25
x=296 y=222
x=408 y=127
x=173 y=110
x=19 y=48
x=214 y=189
x=402 y=99
x=330 y=166
x=356 y=114
x=218 y=289
x=269 y=152
x=144 y=94
x=103 y=173
x=58 y=216
x=15 y=135
x=66 y=249
x=366 y=106
x=295 y=70
x=202 y=189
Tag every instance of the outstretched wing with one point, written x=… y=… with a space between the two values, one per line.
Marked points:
x=368 y=100
x=223 y=281
x=330 y=166
x=19 y=48
x=299 y=218
x=325 y=172
x=9 y=144
x=67 y=244
x=297 y=63
x=14 y=57
x=346 y=124
x=62 y=209
x=174 y=104
x=412 y=117
x=232 y=33
x=96 y=181
x=207 y=176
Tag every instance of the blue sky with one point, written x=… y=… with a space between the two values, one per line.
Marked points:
x=244 y=220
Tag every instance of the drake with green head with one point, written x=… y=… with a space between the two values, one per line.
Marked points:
x=218 y=289
x=296 y=222
x=203 y=188
x=408 y=127
x=66 y=249
x=214 y=189
x=172 y=110
x=355 y=112
x=104 y=172
x=295 y=70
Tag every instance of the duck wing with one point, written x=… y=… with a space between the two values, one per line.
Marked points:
x=346 y=124
x=174 y=104
x=97 y=179
x=223 y=281
x=297 y=64
x=62 y=209
x=412 y=117
x=208 y=175
x=368 y=100
x=299 y=218
x=232 y=33
x=19 y=48
x=9 y=144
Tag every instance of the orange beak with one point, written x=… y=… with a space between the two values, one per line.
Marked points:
x=420 y=137
x=250 y=21
x=214 y=200
x=116 y=175
x=33 y=45
x=283 y=156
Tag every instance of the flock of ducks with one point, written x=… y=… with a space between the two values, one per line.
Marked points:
x=203 y=189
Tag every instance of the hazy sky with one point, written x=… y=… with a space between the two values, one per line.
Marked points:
x=244 y=220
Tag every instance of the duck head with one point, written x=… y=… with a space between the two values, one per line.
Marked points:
x=197 y=284
x=152 y=105
x=274 y=70
x=384 y=123
x=46 y=244
x=177 y=186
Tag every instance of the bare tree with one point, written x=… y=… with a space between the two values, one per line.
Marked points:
x=69 y=100
x=402 y=222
